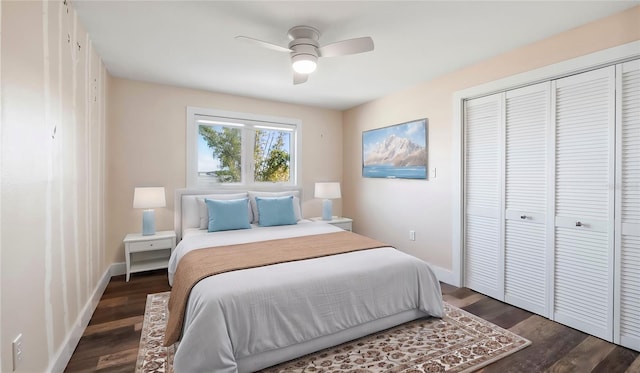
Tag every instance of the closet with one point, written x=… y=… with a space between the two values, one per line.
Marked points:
x=552 y=200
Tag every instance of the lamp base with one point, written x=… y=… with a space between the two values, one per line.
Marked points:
x=148 y=223
x=327 y=206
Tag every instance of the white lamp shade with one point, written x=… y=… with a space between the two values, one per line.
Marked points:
x=148 y=198
x=327 y=190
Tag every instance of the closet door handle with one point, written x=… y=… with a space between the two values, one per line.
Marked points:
x=523 y=216
x=578 y=224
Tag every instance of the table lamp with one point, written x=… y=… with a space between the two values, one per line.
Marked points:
x=327 y=191
x=148 y=198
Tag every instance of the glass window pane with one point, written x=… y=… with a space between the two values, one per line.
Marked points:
x=271 y=154
x=220 y=153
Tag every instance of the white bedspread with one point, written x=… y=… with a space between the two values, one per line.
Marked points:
x=242 y=313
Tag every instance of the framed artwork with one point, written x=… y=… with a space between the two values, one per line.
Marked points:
x=398 y=151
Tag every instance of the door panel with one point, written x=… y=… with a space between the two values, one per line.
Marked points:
x=526 y=125
x=627 y=329
x=483 y=196
x=583 y=257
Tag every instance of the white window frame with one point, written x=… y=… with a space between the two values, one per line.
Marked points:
x=248 y=120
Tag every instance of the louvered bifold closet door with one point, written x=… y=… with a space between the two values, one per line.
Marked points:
x=627 y=328
x=584 y=116
x=483 y=195
x=526 y=128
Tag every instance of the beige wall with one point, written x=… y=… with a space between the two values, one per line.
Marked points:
x=388 y=209
x=52 y=184
x=146 y=146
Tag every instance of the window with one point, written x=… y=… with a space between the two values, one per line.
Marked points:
x=239 y=149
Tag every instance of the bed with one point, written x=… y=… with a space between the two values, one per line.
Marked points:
x=250 y=319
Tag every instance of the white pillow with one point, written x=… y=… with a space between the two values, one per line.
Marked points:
x=296 y=202
x=204 y=211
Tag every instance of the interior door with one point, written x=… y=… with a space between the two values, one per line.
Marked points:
x=483 y=193
x=526 y=128
x=584 y=120
x=627 y=328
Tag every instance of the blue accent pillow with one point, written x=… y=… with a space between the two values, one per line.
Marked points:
x=226 y=215
x=275 y=211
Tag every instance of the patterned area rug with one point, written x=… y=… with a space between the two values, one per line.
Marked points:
x=459 y=342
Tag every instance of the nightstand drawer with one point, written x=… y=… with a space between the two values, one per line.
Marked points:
x=166 y=243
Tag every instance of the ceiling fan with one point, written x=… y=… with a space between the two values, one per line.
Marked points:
x=305 y=49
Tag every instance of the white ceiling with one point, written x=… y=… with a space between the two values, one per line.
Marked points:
x=192 y=44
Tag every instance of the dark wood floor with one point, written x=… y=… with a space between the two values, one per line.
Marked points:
x=110 y=343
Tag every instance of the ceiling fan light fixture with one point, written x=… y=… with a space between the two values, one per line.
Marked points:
x=304 y=63
x=304 y=49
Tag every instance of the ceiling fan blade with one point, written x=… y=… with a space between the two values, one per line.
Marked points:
x=265 y=44
x=299 y=78
x=349 y=46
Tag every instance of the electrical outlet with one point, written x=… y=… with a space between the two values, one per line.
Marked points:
x=412 y=235
x=17 y=351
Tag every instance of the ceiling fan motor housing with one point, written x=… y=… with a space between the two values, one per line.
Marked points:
x=304 y=42
x=303 y=32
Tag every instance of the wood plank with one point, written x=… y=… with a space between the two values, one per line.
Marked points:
x=487 y=308
x=112 y=341
x=102 y=315
x=115 y=324
x=617 y=360
x=510 y=317
x=114 y=302
x=584 y=357
x=446 y=288
x=82 y=364
x=462 y=302
x=462 y=293
x=634 y=367
x=550 y=342
x=120 y=358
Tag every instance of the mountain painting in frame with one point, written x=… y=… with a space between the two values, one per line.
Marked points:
x=397 y=151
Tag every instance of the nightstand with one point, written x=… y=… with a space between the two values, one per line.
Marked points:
x=338 y=221
x=144 y=253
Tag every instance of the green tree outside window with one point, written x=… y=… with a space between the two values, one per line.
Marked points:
x=271 y=159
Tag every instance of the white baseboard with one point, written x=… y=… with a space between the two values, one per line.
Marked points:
x=118 y=269
x=62 y=357
x=445 y=275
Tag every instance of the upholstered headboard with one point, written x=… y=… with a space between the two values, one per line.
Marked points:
x=186 y=212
